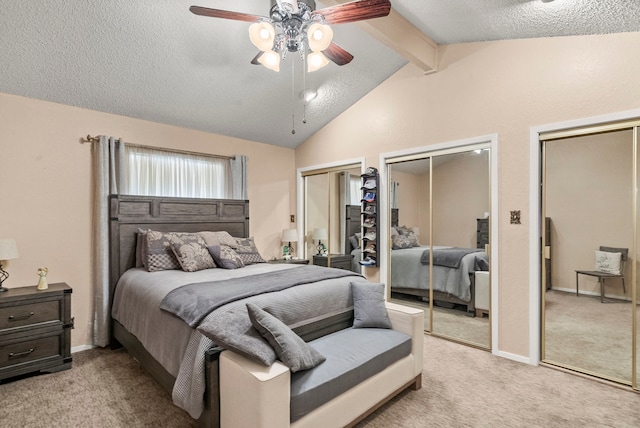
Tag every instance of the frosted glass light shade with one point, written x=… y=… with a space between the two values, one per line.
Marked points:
x=315 y=61
x=8 y=249
x=262 y=35
x=319 y=36
x=271 y=60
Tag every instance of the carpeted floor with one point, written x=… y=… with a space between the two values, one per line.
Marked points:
x=462 y=387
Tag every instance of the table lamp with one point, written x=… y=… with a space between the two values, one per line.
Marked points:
x=289 y=235
x=318 y=235
x=8 y=251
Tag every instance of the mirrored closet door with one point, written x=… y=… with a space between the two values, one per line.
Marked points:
x=590 y=241
x=332 y=219
x=439 y=237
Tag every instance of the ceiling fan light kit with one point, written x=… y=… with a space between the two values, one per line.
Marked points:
x=296 y=26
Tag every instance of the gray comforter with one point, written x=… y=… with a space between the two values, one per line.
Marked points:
x=180 y=349
x=408 y=272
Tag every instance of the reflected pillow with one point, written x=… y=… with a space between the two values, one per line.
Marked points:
x=407 y=240
x=608 y=262
x=354 y=242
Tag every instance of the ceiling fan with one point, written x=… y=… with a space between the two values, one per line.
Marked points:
x=296 y=26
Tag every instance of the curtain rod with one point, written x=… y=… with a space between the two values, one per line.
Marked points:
x=90 y=139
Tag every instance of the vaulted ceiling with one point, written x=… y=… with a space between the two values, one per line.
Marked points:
x=155 y=60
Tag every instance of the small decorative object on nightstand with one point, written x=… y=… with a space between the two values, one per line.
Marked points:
x=8 y=251
x=35 y=330
x=42 y=282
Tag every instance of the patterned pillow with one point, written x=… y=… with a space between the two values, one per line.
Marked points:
x=159 y=253
x=219 y=238
x=608 y=262
x=248 y=251
x=408 y=240
x=191 y=252
x=225 y=257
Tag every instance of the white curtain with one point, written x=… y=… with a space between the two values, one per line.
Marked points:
x=393 y=193
x=107 y=157
x=239 y=177
x=157 y=172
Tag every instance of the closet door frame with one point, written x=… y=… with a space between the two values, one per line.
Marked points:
x=438 y=149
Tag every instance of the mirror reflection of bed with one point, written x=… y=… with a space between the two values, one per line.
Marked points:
x=454 y=190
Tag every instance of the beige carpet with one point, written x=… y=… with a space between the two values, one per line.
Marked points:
x=462 y=387
x=587 y=334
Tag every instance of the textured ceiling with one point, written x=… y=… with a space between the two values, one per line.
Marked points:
x=154 y=60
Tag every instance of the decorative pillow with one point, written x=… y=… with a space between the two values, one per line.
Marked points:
x=191 y=252
x=224 y=332
x=294 y=352
x=369 y=310
x=394 y=231
x=225 y=257
x=219 y=238
x=608 y=262
x=159 y=253
x=248 y=252
x=481 y=264
x=403 y=230
x=407 y=240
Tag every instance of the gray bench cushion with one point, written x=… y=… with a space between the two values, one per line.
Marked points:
x=352 y=356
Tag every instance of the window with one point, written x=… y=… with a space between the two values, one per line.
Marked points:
x=157 y=172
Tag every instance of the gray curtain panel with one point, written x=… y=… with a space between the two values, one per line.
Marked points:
x=239 y=177
x=107 y=154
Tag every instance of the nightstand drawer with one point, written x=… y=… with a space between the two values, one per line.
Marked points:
x=31 y=313
x=30 y=350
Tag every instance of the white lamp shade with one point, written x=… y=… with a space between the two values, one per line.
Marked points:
x=315 y=61
x=320 y=234
x=8 y=249
x=289 y=235
x=271 y=60
x=319 y=36
x=262 y=35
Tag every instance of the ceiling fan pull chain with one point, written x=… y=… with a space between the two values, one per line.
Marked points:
x=293 y=98
x=304 y=89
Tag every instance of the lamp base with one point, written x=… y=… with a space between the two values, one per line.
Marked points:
x=3 y=289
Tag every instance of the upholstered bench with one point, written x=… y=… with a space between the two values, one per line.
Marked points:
x=364 y=368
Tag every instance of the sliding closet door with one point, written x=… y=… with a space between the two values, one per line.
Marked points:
x=460 y=205
x=589 y=201
x=444 y=200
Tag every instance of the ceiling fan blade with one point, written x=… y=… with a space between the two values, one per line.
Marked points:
x=355 y=11
x=255 y=61
x=225 y=14
x=338 y=55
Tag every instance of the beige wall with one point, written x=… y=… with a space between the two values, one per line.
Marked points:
x=503 y=87
x=45 y=189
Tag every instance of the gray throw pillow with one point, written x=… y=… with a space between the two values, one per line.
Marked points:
x=369 y=310
x=191 y=252
x=248 y=252
x=225 y=257
x=294 y=352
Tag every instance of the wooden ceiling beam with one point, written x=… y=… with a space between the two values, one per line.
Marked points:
x=397 y=33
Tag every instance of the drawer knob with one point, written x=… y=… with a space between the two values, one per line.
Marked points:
x=22 y=317
x=21 y=354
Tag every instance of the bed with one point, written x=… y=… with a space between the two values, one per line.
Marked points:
x=453 y=277
x=184 y=360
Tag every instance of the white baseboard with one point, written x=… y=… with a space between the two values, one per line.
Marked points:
x=515 y=357
x=81 y=348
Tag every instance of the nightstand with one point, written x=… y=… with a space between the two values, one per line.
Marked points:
x=339 y=261
x=35 y=330
x=292 y=261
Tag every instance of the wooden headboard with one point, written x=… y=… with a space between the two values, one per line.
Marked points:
x=128 y=213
